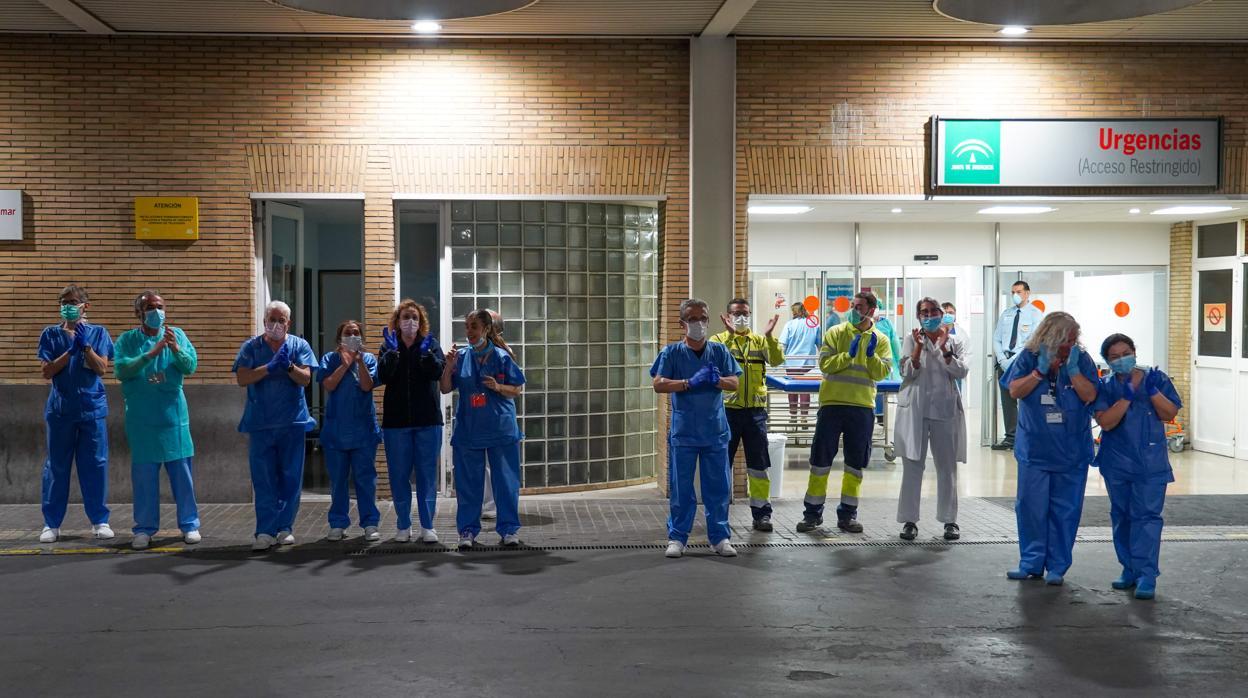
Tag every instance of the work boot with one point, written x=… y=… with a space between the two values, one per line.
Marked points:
x=909 y=531
x=807 y=524
x=849 y=526
x=763 y=523
x=1004 y=445
x=952 y=532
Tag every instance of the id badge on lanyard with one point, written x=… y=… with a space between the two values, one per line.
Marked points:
x=477 y=400
x=1052 y=411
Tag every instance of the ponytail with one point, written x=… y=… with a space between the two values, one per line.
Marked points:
x=493 y=332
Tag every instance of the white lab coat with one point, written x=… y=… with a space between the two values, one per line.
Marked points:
x=930 y=391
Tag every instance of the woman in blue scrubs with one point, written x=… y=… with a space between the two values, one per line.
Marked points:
x=275 y=367
x=411 y=365
x=73 y=355
x=1133 y=406
x=349 y=433
x=489 y=381
x=1055 y=383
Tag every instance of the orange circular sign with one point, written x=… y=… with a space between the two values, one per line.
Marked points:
x=1122 y=309
x=1039 y=305
x=841 y=304
x=811 y=303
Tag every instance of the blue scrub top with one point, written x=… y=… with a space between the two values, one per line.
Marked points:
x=492 y=423
x=350 y=414
x=276 y=401
x=1058 y=447
x=698 y=417
x=1135 y=449
x=77 y=393
x=800 y=339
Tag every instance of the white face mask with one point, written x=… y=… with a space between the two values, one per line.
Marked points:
x=275 y=331
x=409 y=326
x=353 y=343
x=695 y=331
x=741 y=322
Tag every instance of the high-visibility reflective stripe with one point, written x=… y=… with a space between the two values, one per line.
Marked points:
x=760 y=474
x=817 y=486
x=814 y=500
x=760 y=489
x=852 y=380
x=851 y=487
x=820 y=470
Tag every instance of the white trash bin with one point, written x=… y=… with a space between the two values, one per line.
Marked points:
x=775 y=450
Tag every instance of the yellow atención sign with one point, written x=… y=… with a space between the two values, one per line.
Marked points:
x=166 y=218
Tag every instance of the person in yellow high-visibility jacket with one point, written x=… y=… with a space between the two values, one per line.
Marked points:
x=855 y=354
x=747 y=405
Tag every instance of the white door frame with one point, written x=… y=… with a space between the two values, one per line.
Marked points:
x=1235 y=364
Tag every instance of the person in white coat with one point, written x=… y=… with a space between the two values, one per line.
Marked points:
x=930 y=415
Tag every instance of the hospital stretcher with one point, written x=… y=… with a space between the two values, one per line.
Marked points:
x=886 y=398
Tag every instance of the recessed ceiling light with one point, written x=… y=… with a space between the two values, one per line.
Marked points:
x=426 y=27
x=778 y=210
x=1013 y=30
x=1133 y=211
x=896 y=210
x=1190 y=210
x=1016 y=210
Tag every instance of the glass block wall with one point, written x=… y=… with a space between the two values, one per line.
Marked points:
x=577 y=285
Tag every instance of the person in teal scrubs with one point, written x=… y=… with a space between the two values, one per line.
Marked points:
x=151 y=362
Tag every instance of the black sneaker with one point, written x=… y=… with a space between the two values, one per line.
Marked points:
x=849 y=526
x=1004 y=445
x=763 y=523
x=909 y=531
x=808 y=525
x=952 y=532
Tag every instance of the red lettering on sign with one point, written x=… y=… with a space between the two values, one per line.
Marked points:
x=1129 y=143
x=8 y=212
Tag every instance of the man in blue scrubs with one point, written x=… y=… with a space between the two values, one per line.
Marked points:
x=275 y=367
x=697 y=373
x=73 y=355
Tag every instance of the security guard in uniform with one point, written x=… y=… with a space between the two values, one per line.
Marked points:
x=747 y=406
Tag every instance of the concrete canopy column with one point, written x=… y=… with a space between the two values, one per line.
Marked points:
x=712 y=135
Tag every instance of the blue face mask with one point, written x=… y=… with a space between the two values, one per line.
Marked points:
x=1018 y=299
x=930 y=324
x=481 y=345
x=1123 y=365
x=949 y=318
x=154 y=318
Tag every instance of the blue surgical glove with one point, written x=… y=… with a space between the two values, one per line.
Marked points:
x=853 y=346
x=875 y=339
x=80 y=339
x=1072 y=361
x=280 y=361
x=1044 y=360
x=426 y=343
x=1128 y=390
x=1152 y=381
x=389 y=340
x=703 y=378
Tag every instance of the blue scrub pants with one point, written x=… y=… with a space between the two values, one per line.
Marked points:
x=1048 y=507
x=356 y=465
x=470 y=487
x=146 y=480
x=715 y=471
x=408 y=450
x=276 y=457
x=1135 y=514
x=85 y=442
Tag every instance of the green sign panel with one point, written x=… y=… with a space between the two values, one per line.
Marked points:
x=972 y=152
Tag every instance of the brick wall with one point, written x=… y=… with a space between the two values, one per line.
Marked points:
x=86 y=124
x=1180 y=330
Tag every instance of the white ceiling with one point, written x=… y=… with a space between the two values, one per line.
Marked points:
x=964 y=211
x=1213 y=20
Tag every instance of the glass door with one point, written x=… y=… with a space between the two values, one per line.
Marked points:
x=1218 y=365
x=283 y=241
